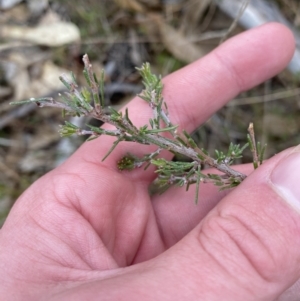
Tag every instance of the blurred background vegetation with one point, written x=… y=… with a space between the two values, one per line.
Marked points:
x=40 y=39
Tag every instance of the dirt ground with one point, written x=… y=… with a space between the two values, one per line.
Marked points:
x=39 y=40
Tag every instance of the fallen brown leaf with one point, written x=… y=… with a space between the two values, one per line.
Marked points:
x=176 y=43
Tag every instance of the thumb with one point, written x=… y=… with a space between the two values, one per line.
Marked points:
x=247 y=247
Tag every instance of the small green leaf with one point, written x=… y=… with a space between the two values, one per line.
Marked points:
x=66 y=84
x=86 y=76
x=261 y=152
x=126 y=163
x=102 y=80
x=181 y=141
x=113 y=147
x=115 y=115
x=68 y=129
x=197 y=185
x=73 y=77
x=156 y=131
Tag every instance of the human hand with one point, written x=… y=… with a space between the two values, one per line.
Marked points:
x=86 y=231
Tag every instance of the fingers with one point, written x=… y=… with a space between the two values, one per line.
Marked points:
x=195 y=92
x=247 y=248
x=176 y=212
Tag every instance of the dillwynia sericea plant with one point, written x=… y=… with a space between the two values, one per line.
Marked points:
x=89 y=101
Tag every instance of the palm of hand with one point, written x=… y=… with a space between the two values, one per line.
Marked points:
x=89 y=216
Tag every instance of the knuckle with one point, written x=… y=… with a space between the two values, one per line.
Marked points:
x=242 y=246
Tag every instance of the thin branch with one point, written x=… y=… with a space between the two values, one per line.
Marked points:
x=253 y=147
x=90 y=102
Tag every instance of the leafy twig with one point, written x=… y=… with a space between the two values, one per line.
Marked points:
x=89 y=101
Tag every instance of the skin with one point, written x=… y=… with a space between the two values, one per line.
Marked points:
x=86 y=231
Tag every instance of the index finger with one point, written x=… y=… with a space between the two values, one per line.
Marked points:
x=195 y=92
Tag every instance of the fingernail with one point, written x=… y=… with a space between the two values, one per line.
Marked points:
x=286 y=178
